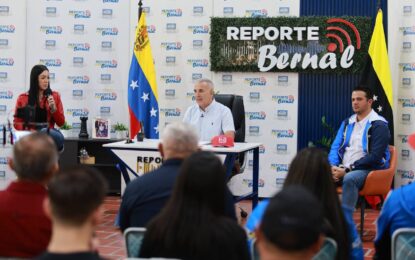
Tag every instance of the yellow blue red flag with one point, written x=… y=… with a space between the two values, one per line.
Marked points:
x=142 y=88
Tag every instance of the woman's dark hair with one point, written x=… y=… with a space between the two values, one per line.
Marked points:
x=198 y=198
x=310 y=168
x=34 y=83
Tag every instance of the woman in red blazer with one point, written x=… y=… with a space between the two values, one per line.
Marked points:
x=40 y=107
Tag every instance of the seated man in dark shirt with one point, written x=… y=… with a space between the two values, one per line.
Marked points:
x=75 y=207
x=146 y=196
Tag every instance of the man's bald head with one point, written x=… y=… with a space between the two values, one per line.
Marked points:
x=35 y=157
x=178 y=140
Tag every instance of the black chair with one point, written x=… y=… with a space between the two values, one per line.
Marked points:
x=236 y=104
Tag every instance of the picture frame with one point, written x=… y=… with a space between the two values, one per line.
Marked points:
x=101 y=128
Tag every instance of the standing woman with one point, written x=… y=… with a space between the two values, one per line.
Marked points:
x=39 y=105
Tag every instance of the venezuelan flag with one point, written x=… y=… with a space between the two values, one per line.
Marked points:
x=377 y=75
x=142 y=88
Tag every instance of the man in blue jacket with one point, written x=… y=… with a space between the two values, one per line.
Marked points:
x=361 y=145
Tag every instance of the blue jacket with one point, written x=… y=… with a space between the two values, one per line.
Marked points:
x=375 y=142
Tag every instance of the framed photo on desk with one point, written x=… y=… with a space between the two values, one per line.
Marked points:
x=101 y=128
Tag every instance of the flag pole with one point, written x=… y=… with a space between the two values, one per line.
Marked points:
x=140 y=9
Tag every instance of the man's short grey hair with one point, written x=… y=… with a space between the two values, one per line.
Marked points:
x=207 y=81
x=180 y=137
x=34 y=156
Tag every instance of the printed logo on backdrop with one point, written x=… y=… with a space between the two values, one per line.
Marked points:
x=51 y=29
x=171 y=112
x=52 y=77
x=50 y=44
x=252 y=82
x=6 y=94
x=254 y=130
x=7 y=28
x=198 y=63
x=251 y=165
x=76 y=125
x=105 y=111
x=170 y=93
x=171 y=79
x=406 y=119
x=3 y=160
x=110 y=1
x=279 y=182
x=80 y=14
x=106 y=96
x=3 y=109
x=197 y=44
x=227 y=79
x=279 y=168
x=287 y=134
x=407 y=102
x=171 y=60
x=282 y=80
x=77 y=112
x=248 y=183
x=406 y=82
x=284 y=10
x=406 y=174
x=228 y=11
x=171 y=27
x=255 y=97
x=255 y=115
x=6 y=62
x=196 y=77
x=406 y=46
x=281 y=149
x=106 y=46
x=77 y=47
x=78 y=61
x=4 y=43
x=407 y=10
x=289 y=99
x=293 y=44
x=107 y=31
x=77 y=94
x=198 y=29
x=107 y=64
x=406 y=155
x=256 y=13
x=147 y=164
x=79 y=80
x=407 y=66
x=403 y=138
x=78 y=28
x=4 y=77
x=198 y=11
x=282 y=114
x=107 y=13
x=407 y=30
x=3 y=175
x=51 y=11
x=4 y=10
x=151 y=28
x=147 y=11
x=172 y=12
x=105 y=78
x=171 y=46
x=190 y=96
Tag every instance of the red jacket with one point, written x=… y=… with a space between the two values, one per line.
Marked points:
x=58 y=117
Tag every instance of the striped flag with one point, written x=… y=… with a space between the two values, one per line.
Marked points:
x=377 y=75
x=142 y=88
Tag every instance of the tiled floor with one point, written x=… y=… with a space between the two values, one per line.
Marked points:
x=112 y=243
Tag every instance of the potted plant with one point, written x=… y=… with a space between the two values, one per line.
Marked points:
x=120 y=130
x=66 y=129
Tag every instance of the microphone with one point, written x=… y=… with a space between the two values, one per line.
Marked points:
x=47 y=92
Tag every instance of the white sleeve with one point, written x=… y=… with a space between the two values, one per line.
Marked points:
x=227 y=120
x=187 y=115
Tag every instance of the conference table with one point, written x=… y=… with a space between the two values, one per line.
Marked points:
x=137 y=158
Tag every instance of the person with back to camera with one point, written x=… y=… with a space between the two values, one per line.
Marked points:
x=310 y=168
x=40 y=107
x=193 y=224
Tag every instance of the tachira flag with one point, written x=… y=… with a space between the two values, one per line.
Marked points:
x=142 y=88
x=377 y=74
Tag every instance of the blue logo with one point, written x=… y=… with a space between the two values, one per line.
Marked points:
x=3 y=108
x=51 y=29
x=6 y=94
x=406 y=118
x=249 y=182
x=52 y=76
x=77 y=93
x=106 y=96
x=283 y=133
x=256 y=115
x=3 y=160
x=281 y=148
x=172 y=79
x=107 y=64
x=107 y=31
x=407 y=102
x=256 y=81
x=190 y=95
x=197 y=10
x=80 y=14
x=406 y=82
x=171 y=60
x=253 y=130
x=196 y=76
x=282 y=114
x=228 y=10
x=198 y=63
x=279 y=182
x=151 y=28
x=407 y=10
x=76 y=125
x=172 y=12
x=78 y=28
x=106 y=78
x=199 y=29
x=278 y=167
x=170 y=26
x=79 y=46
x=171 y=112
x=110 y=1
x=282 y=80
x=51 y=62
x=78 y=61
x=107 y=13
x=50 y=44
x=51 y=11
x=197 y=44
x=9 y=62
x=171 y=46
x=284 y=10
x=76 y=112
x=254 y=96
x=406 y=46
x=170 y=93
x=105 y=110
x=7 y=28
x=256 y=13
x=106 y=45
x=4 y=10
x=227 y=78
x=79 y=80
x=2 y=174
x=407 y=30
x=283 y=99
x=3 y=76
x=4 y=43
x=406 y=174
